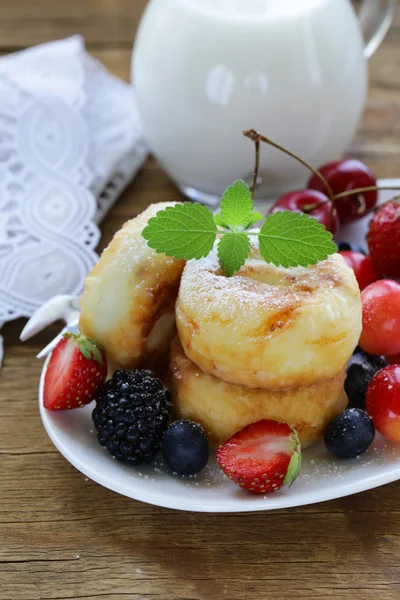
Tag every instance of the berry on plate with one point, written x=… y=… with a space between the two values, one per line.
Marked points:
x=303 y=200
x=384 y=239
x=131 y=415
x=363 y=267
x=262 y=457
x=185 y=447
x=76 y=371
x=350 y=433
x=383 y=402
x=350 y=246
x=346 y=175
x=361 y=368
x=381 y=318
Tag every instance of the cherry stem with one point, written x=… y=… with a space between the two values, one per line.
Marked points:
x=253 y=135
x=307 y=208
x=256 y=168
x=371 y=188
x=256 y=137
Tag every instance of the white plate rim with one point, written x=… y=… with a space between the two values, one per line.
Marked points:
x=272 y=502
x=255 y=505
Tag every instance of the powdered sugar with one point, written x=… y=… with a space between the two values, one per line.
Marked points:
x=319 y=469
x=269 y=326
x=257 y=282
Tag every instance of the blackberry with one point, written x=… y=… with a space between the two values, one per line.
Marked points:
x=131 y=415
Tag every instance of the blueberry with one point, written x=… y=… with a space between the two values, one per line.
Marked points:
x=361 y=369
x=350 y=433
x=185 y=447
x=349 y=246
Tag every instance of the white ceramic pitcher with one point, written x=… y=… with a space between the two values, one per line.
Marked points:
x=296 y=70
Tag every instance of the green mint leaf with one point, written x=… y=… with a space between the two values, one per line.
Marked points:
x=182 y=231
x=256 y=216
x=233 y=249
x=237 y=204
x=290 y=239
x=218 y=220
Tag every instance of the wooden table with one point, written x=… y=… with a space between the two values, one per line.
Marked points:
x=62 y=536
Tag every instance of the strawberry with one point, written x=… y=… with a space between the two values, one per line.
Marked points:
x=262 y=457
x=77 y=370
x=384 y=239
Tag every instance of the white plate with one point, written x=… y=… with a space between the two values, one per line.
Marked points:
x=322 y=476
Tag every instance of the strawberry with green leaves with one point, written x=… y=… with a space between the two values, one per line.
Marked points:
x=262 y=457
x=384 y=239
x=76 y=371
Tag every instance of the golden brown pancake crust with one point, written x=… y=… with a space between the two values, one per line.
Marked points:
x=268 y=326
x=224 y=408
x=128 y=291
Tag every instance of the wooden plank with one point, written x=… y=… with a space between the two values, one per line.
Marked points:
x=110 y=23
x=101 y=22
x=63 y=536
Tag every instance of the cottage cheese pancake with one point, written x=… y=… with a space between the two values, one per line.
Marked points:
x=268 y=326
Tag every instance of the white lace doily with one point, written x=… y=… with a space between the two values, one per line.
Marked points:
x=70 y=141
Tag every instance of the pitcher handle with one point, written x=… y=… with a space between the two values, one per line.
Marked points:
x=376 y=16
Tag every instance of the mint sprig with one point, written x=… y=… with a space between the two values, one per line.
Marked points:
x=256 y=216
x=291 y=239
x=286 y=239
x=236 y=205
x=182 y=231
x=233 y=249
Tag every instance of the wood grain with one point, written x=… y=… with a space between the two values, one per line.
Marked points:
x=103 y=23
x=64 y=537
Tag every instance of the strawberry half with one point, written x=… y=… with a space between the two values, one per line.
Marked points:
x=262 y=457
x=77 y=370
x=384 y=239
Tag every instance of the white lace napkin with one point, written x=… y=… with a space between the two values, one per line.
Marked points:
x=70 y=141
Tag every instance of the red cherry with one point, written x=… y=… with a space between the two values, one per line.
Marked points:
x=383 y=402
x=343 y=176
x=381 y=318
x=393 y=360
x=297 y=200
x=363 y=267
